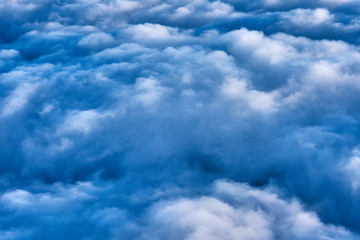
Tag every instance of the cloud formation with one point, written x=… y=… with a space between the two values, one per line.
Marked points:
x=179 y=119
x=238 y=211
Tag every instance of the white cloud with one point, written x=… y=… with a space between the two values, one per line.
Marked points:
x=80 y=121
x=245 y=44
x=96 y=40
x=55 y=201
x=155 y=34
x=351 y=169
x=148 y=91
x=302 y=17
x=18 y=99
x=137 y=94
x=238 y=211
x=126 y=6
x=7 y=54
x=257 y=100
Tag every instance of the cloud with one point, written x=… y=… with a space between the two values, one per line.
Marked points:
x=96 y=40
x=239 y=211
x=230 y=210
x=116 y=117
x=310 y=17
x=18 y=99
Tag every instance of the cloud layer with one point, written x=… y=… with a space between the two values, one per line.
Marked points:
x=179 y=119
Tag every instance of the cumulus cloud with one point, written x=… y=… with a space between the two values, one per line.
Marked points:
x=118 y=118
x=96 y=40
x=239 y=211
x=229 y=211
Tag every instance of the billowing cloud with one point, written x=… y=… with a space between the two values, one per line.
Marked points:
x=239 y=211
x=118 y=118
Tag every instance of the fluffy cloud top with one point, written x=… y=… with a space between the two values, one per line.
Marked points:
x=118 y=118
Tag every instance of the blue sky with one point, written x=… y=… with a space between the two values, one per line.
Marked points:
x=134 y=119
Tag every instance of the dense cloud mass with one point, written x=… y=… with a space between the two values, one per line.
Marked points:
x=201 y=119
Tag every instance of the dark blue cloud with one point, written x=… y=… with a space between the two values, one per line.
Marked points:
x=179 y=119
